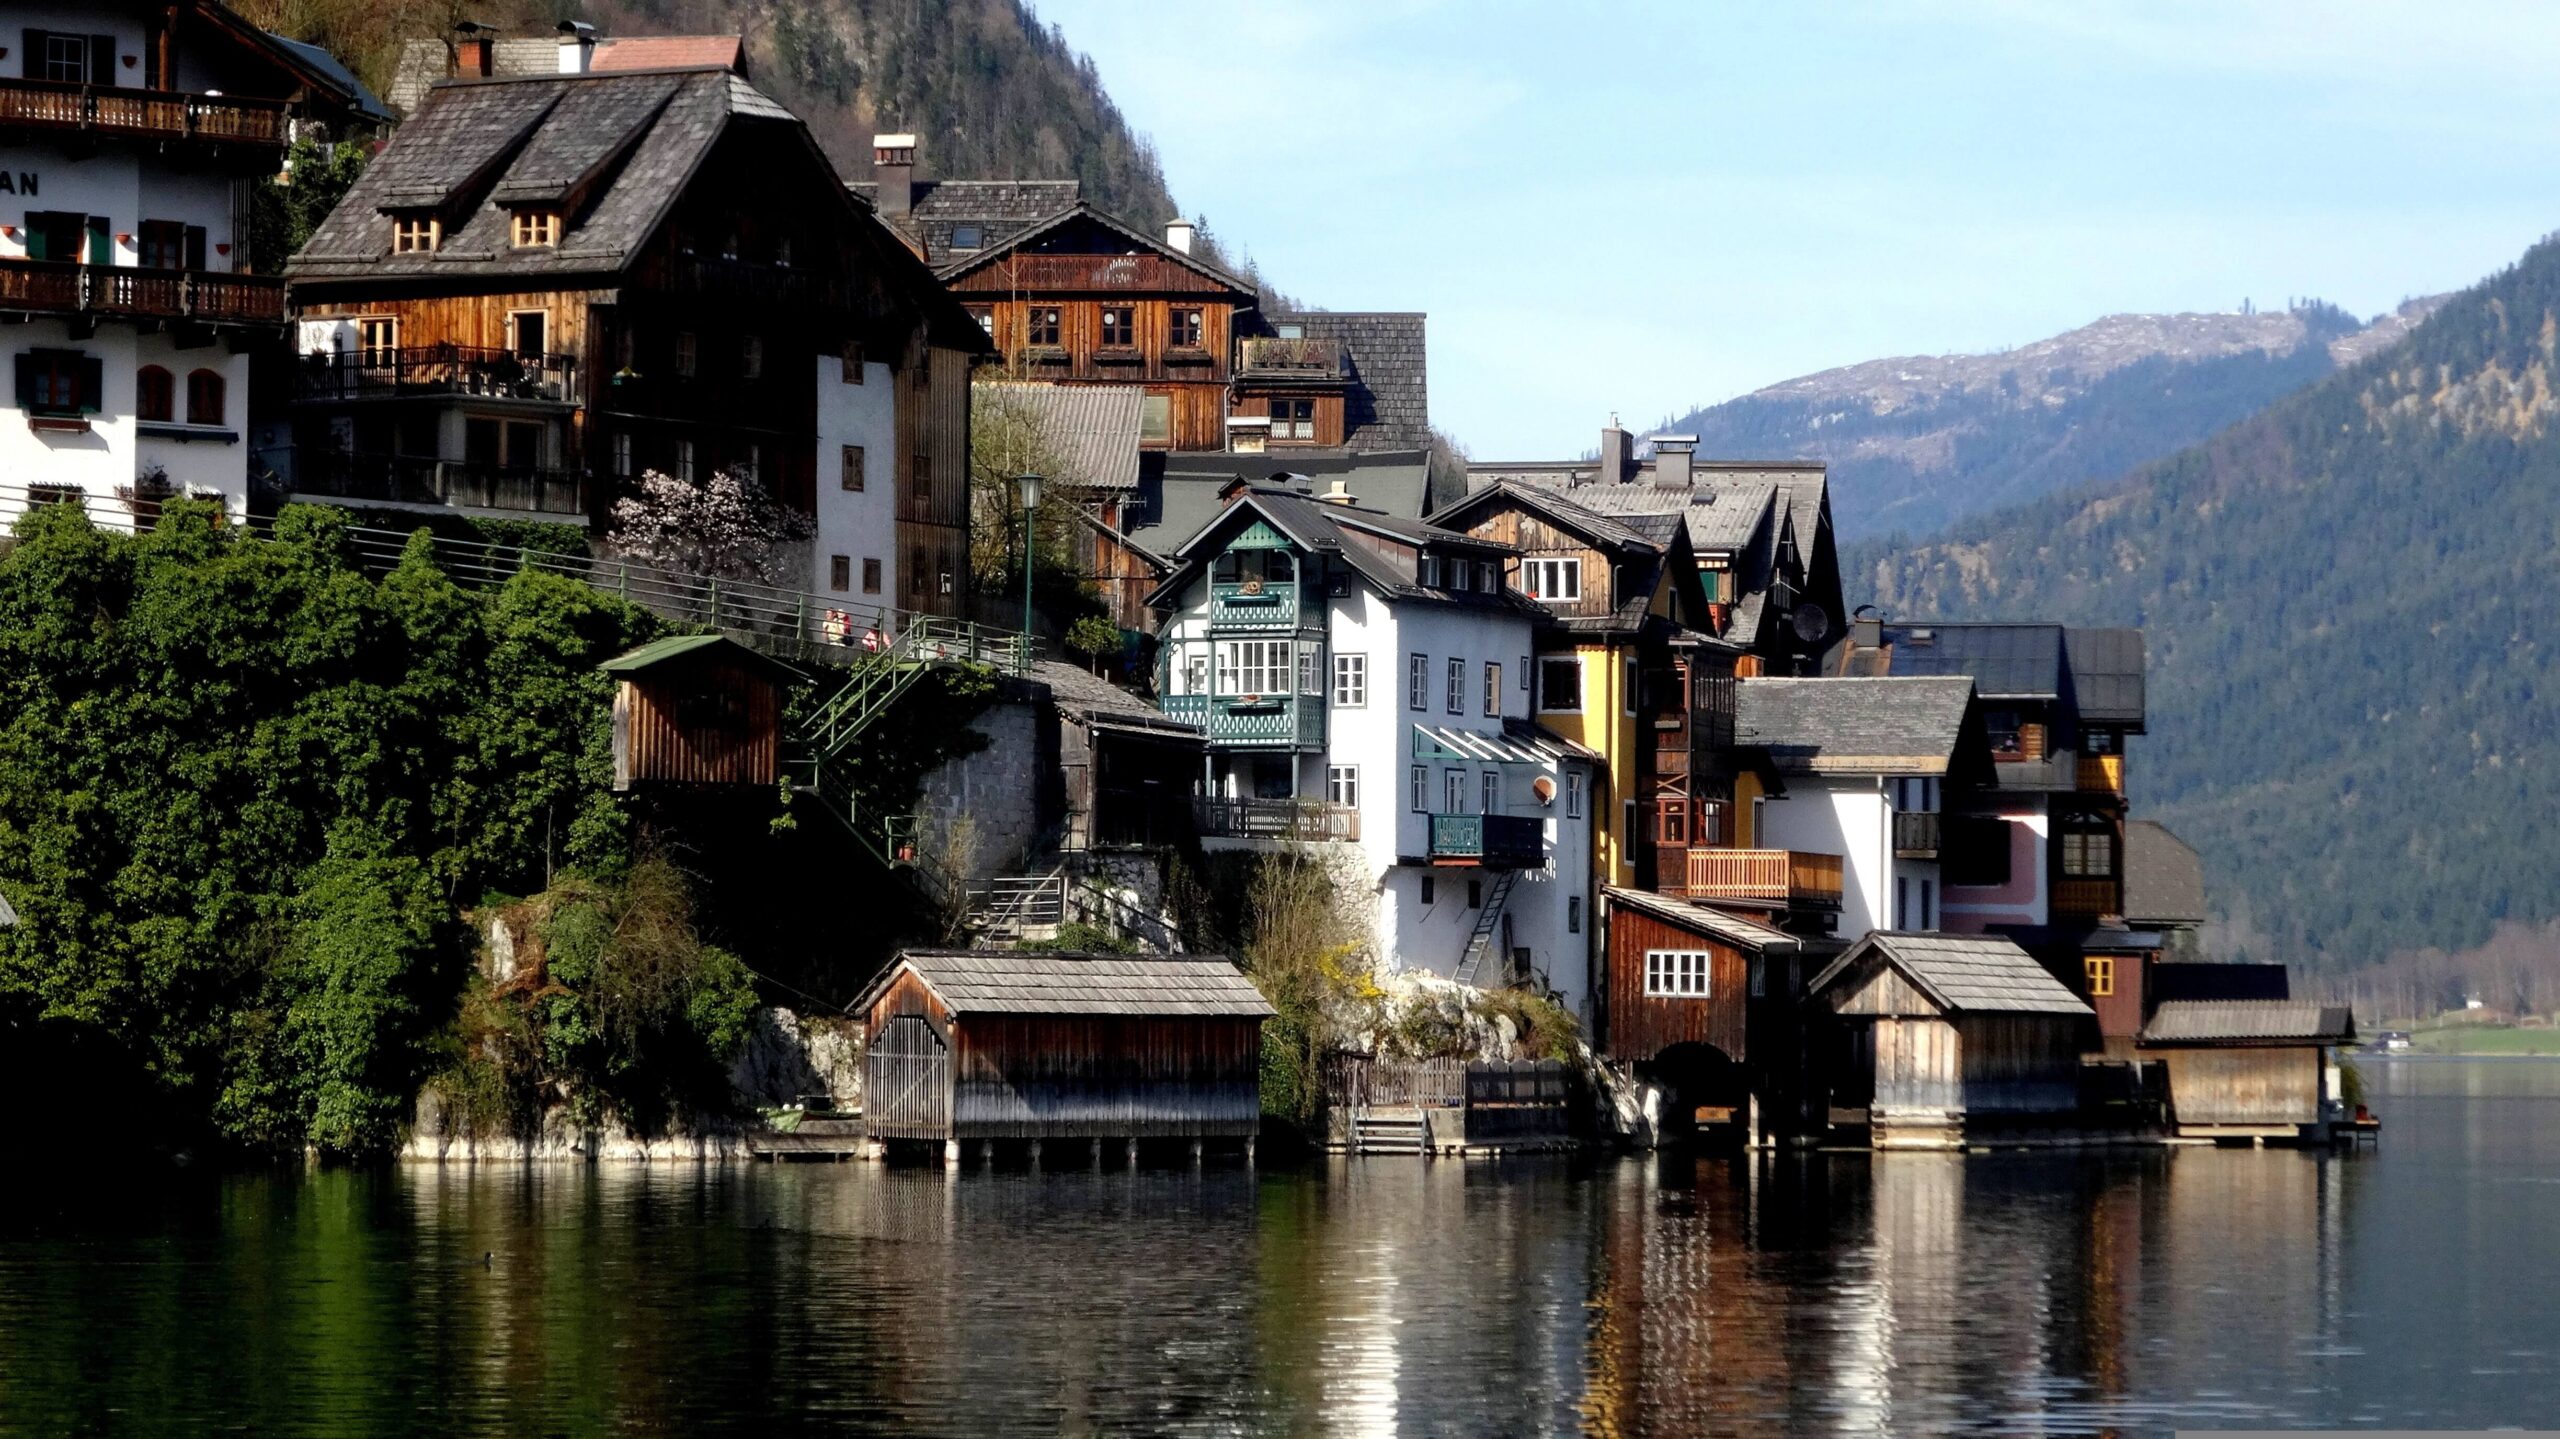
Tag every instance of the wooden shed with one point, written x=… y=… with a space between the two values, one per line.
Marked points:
x=1938 y=1030
x=1698 y=1001
x=964 y=1046
x=697 y=710
x=2259 y=1068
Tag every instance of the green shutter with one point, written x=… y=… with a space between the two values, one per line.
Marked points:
x=26 y=380
x=102 y=246
x=93 y=384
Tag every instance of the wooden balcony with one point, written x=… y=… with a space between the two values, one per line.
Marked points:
x=416 y=480
x=1495 y=841
x=1785 y=878
x=1308 y=358
x=127 y=292
x=2084 y=899
x=1915 y=836
x=437 y=370
x=2102 y=774
x=1254 y=721
x=1253 y=605
x=141 y=114
x=1299 y=820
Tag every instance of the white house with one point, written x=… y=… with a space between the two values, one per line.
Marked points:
x=1867 y=764
x=1362 y=680
x=131 y=138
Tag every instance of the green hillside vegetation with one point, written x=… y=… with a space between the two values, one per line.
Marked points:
x=2350 y=604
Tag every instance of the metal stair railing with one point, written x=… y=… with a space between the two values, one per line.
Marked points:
x=1480 y=941
x=1015 y=904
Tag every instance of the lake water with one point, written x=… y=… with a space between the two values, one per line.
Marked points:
x=2132 y=1293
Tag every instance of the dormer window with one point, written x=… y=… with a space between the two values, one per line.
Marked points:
x=968 y=237
x=535 y=229
x=416 y=234
x=1430 y=572
x=1555 y=581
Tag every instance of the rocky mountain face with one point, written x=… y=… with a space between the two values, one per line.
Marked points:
x=1916 y=442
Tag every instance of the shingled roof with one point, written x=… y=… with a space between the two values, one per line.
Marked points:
x=1854 y=726
x=1179 y=499
x=2248 y=1022
x=1736 y=930
x=1331 y=529
x=1001 y=209
x=1387 y=404
x=2163 y=876
x=424 y=62
x=1014 y=982
x=1090 y=431
x=1961 y=973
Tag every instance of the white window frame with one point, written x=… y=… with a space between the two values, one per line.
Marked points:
x=1421 y=789
x=1679 y=974
x=1493 y=689
x=1342 y=785
x=1243 y=662
x=1311 y=671
x=1453 y=790
x=1573 y=785
x=1546 y=702
x=1350 y=682
x=1551 y=581
x=1195 y=670
x=1417 y=683
x=1457 y=704
x=1429 y=572
x=1490 y=790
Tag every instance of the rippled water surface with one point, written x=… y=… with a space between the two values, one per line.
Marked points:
x=1826 y=1294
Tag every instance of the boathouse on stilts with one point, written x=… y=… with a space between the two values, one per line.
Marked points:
x=1061 y=1054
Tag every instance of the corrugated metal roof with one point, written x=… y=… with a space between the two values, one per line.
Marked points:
x=1091 y=431
x=1010 y=982
x=2249 y=1022
x=658 y=652
x=1964 y=973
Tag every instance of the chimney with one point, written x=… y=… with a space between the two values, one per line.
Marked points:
x=471 y=52
x=1180 y=233
x=1866 y=628
x=577 y=47
x=1340 y=494
x=1671 y=456
x=1614 y=453
x=893 y=163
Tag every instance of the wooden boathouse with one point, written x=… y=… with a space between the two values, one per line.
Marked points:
x=980 y=1047
x=697 y=710
x=2249 y=1068
x=1935 y=1032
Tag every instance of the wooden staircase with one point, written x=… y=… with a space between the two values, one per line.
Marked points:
x=1486 y=936
x=1399 y=1130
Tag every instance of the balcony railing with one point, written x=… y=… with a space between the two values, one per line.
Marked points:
x=1309 y=358
x=437 y=370
x=1254 y=722
x=414 y=480
x=1785 y=877
x=1915 y=836
x=2085 y=898
x=1253 y=605
x=1495 y=840
x=1309 y=820
x=2102 y=774
x=64 y=287
x=150 y=114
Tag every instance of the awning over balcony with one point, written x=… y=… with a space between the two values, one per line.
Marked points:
x=1519 y=743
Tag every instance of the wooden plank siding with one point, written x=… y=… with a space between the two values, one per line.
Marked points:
x=1641 y=1026
x=707 y=724
x=1028 y=1076
x=933 y=481
x=1328 y=414
x=2019 y=1063
x=2253 y=1086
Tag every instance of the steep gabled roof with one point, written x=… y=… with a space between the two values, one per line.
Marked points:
x=1322 y=527
x=1387 y=404
x=1734 y=929
x=2163 y=876
x=1559 y=509
x=1961 y=973
x=1090 y=431
x=1014 y=982
x=1083 y=212
x=1855 y=726
x=1179 y=494
x=1001 y=209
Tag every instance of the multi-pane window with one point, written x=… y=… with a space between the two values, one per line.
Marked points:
x=850 y=363
x=416 y=234
x=1155 y=419
x=1671 y=821
x=1183 y=330
x=684 y=461
x=839 y=572
x=1293 y=419
x=1350 y=681
x=1560 y=686
x=154 y=394
x=1453 y=791
x=1041 y=325
x=1254 y=668
x=534 y=228
x=1311 y=670
x=1195 y=673
x=66 y=58
x=377 y=341
x=2102 y=975
x=622 y=453
x=60 y=382
x=871 y=577
x=1421 y=781
x=1492 y=688
x=1457 y=695
x=1573 y=783
x=1342 y=785
x=2089 y=855
x=1555 y=581
x=1417 y=682
x=851 y=477
x=687 y=353
x=1678 y=973
x=1430 y=571
x=1492 y=791
x=204 y=398
x=751 y=357
x=1119 y=325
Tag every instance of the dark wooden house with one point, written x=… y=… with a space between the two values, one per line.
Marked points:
x=1935 y=1032
x=697 y=710
x=963 y=1046
x=1701 y=1003
x=1127 y=767
x=2263 y=1068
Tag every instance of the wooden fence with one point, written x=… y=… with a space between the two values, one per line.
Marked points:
x=1522 y=1099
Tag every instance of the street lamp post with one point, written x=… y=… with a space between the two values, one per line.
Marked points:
x=1028 y=486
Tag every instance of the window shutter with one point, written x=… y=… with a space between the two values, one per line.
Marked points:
x=31 y=63
x=102 y=249
x=195 y=247
x=93 y=384
x=102 y=59
x=26 y=377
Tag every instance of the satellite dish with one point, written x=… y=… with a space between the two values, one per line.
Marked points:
x=1812 y=625
x=1544 y=788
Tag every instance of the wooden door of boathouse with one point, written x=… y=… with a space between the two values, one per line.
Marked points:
x=906 y=1082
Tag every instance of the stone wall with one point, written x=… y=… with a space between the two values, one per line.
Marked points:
x=1010 y=791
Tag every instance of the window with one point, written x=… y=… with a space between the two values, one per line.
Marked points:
x=1901 y=902
x=1671 y=822
x=1457 y=696
x=1555 y=581
x=1430 y=891
x=622 y=453
x=871 y=577
x=839 y=572
x=1678 y=973
x=2102 y=975
x=1492 y=790
x=1573 y=914
x=154 y=394
x=751 y=357
x=1155 y=419
x=204 y=398
x=1717 y=585
x=1253 y=668
x=684 y=461
x=1421 y=789
x=1311 y=670
x=377 y=342
x=2003 y=729
x=1489 y=577
x=1492 y=688
x=72 y=59
x=918 y=566
x=1342 y=785
x=921 y=467
x=2101 y=741
x=1119 y=325
x=1417 y=682
x=968 y=237
x=686 y=353
x=416 y=234
x=1350 y=681
x=851 y=477
x=1453 y=791
x=754 y=462
x=2089 y=855
x=1289 y=330
x=60 y=383
x=1430 y=571
x=1629 y=679
x=850 y=358
x=1524 y=674
x=1928 y=904
x=534 y=228
x=1042 y=325
x=1573 y=782
x=1560 y=686
x=1196 y=673
x=1461 y=578
x=1293 y=419
x=985 y=315
x=171 y=245
x=532 y=332
x=1183 y=329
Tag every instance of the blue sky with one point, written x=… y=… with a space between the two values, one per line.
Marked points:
x=1637 y=208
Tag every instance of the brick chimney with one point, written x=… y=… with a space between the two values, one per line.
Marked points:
x=1615 y=454
x=577 y=47
x=471 y=50
x=1671 y=456
x=893 y=164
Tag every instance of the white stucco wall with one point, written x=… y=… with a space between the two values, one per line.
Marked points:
x=1851 y=817
x=112 y=453
x=1972 y=909
x=126 y=187
x=858 y=524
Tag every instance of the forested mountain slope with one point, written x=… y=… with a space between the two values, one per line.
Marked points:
x=2351 y=600
x=1916 y=442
